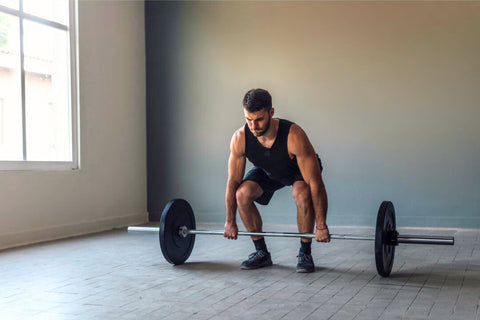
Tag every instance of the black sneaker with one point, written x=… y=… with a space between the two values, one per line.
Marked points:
x=257 y=260
x=305 y=263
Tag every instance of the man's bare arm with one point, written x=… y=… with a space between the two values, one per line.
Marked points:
x=300 y=146
x=236 y=170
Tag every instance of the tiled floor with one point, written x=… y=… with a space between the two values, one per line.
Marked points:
x=116 y=275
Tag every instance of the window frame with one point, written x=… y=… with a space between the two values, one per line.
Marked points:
x=74 y=164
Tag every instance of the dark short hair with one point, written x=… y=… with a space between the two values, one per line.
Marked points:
x=257 y=99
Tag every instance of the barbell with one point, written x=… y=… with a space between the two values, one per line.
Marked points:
x=177 y=235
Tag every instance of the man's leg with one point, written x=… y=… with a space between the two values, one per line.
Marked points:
x=246 y=195
x=306 y=224
x=305 y=212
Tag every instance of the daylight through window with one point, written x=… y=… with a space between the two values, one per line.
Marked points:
x=37 y=83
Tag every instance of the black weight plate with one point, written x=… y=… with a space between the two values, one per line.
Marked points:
x=384 y=252
x=175 y=248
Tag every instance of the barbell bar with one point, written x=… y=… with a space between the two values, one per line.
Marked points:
x=177 y=235
x=411 y=239
x=185 y=232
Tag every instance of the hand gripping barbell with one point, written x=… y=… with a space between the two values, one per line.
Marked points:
x=177 y=235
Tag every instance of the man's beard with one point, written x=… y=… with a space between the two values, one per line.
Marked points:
x=266 y=129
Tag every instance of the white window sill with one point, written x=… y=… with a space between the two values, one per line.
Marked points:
x=37 y=166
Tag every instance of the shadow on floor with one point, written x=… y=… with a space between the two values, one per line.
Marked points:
x=220 y=266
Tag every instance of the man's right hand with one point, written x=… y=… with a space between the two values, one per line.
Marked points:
x=230 y=230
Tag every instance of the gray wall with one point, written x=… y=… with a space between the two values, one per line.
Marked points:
x=388 y=92
x=110 y=188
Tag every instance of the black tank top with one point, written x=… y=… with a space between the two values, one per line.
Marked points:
x=275 y=161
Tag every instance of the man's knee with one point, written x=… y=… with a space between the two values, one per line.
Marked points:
x=301 y=195
x=245 y=195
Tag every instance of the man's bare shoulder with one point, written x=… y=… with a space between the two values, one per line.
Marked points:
x=238 y=135
x=237 y=145
x=296 y=133
x=298 y=142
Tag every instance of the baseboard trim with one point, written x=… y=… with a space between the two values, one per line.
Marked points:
x=33 y=236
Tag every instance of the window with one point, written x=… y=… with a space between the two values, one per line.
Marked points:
x=38 y=109
x=2 y=122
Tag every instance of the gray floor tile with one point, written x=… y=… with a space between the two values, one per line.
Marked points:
x=116 y=275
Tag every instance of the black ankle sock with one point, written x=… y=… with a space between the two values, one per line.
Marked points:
x=260 y=244
x=306 y=247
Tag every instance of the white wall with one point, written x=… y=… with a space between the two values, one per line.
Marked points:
x=110 y=188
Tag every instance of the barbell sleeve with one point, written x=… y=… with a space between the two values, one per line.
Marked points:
x=440 y=240
x=143 y=229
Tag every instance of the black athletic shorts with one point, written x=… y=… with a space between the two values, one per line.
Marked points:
x=269 y=185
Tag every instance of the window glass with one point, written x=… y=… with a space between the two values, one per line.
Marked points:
x=13 y=4
x=54 y=10
x=47 y=104
x=11 y=133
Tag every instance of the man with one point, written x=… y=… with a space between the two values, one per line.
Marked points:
x=282 y=155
